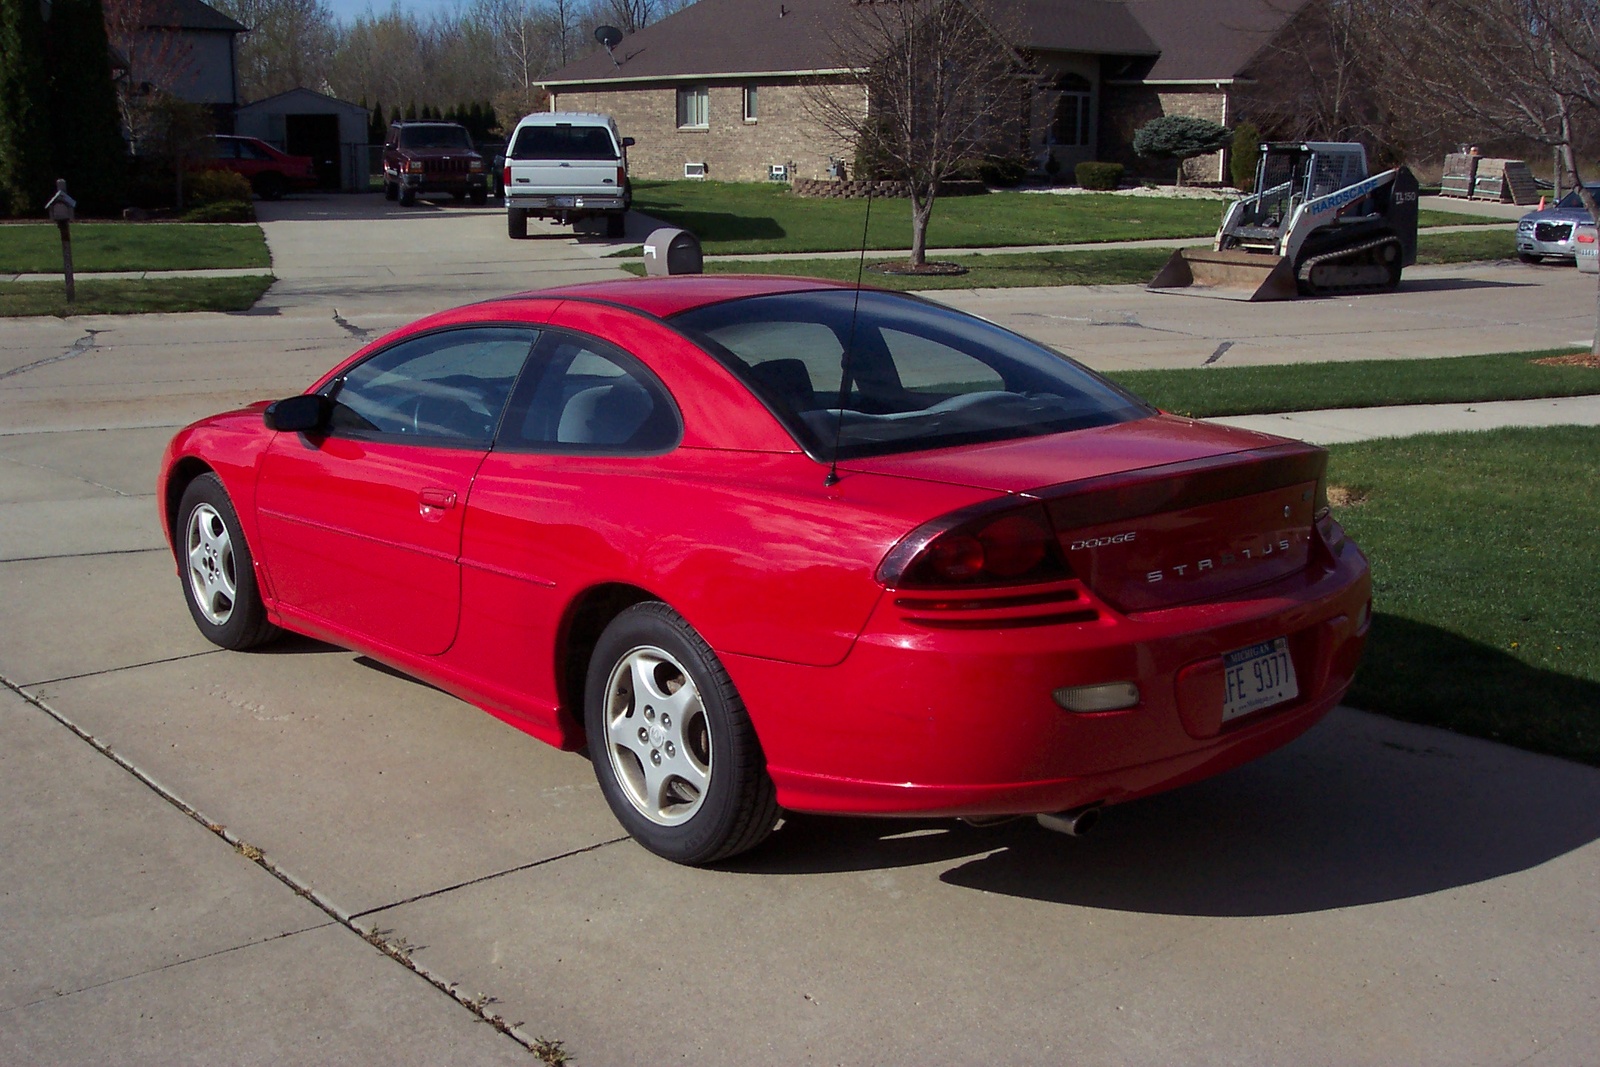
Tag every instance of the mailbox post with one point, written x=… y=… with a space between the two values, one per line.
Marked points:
x=60 y=209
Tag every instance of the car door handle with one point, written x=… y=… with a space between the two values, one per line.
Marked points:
x=442 y=499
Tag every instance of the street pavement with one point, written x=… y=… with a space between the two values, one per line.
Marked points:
x=299 y=856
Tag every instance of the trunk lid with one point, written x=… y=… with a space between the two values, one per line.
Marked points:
x=1156 y=512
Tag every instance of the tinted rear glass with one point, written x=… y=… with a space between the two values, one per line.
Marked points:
x=564 y=142
x=917 y=375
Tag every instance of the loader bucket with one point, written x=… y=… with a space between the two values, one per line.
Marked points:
x=1228 y=275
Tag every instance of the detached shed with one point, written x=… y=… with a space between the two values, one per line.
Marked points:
x=306 y=123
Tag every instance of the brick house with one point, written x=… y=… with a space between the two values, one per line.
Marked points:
x=720 y=88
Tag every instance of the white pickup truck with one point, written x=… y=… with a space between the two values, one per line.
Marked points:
x=566 y=166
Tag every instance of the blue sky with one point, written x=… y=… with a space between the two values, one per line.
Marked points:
x=347 y=10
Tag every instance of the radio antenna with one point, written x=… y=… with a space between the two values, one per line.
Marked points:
x=844 y=379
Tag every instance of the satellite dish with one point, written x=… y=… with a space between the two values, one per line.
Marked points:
x=609 y=36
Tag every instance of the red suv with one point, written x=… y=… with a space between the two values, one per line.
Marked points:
x=270 y=172
x=432 y=157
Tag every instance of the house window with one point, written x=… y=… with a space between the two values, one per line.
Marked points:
x=694 y=111
x=1073 y=111
x=750 y=103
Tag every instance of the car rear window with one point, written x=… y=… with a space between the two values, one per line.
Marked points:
x=912 y=374
x=564 y=141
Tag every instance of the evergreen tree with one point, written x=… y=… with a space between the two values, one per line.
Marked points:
x=26 y=174
x=411 y=112
x=89 y=152
x=394 y=114
x=377 y=132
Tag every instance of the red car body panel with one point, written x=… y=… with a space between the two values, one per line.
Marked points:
x=466 y=567
x=298 y=172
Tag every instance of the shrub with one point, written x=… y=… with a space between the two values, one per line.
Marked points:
x=1005 y=171
x=222 y=211
x=1098 y=175
x=1244 y=154
x=215 y=186
x=1179 y=137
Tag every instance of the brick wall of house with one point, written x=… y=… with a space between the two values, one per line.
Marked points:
x=1124 y=108
x=731 y=148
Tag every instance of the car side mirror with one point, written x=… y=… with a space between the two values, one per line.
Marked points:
x=628 y=142
x=306 y=413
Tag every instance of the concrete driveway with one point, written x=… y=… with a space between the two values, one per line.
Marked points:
x=297 y=856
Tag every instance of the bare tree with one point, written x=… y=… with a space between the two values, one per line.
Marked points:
x=1315 y=79
x=289 y=46
x=1522 y=69
x=942 y=89
x=157 y=62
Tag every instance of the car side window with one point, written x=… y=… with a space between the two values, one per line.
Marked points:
x=252 y=151
x=446 y=388
x=582 y=395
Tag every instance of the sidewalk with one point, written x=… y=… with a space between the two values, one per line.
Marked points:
x=1343 y=425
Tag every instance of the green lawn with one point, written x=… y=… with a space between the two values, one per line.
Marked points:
x=749 y=217
x=1101 y=266
x=1203 y=392
x=29 y=248
x=1485 y=571
x=118 y=296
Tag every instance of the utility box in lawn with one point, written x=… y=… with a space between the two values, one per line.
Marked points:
x=672 y=251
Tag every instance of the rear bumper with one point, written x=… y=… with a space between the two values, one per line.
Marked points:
x=566 y=203
x=962 y=722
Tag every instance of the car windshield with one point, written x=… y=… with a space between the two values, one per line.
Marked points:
x=1573 y=202
x=564 y=141
x=434 y=137
x=918 y=375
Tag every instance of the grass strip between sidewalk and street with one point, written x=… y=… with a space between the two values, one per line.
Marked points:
x=35 y=248
x=732 y=218
x=128 y=296
x=1484 y=568
x=1206 y=392
x=1100 y=266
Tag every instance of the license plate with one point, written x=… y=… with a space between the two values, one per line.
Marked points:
x=1258 y=677
x=561 y=201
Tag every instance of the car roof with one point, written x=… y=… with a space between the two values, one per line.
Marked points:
x=556 y=118
x=668 y=296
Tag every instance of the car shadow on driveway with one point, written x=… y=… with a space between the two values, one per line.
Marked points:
x=1361 y=810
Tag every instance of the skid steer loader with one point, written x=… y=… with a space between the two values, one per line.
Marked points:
x=1316 y=225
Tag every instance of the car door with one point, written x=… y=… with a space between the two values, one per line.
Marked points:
x=361 y=525
x=576 y=436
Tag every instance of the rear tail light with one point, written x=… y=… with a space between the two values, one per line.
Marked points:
x=1586 y=238
x=505 y=177
x=996 y=547
x=622 y=177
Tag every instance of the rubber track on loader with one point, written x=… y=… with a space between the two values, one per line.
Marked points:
x=1303 y=274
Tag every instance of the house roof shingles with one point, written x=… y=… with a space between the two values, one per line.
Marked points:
x=1181 y=40
x=187 y=15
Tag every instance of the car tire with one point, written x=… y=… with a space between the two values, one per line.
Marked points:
x=390 y=191
x=408 y=196
x=270 y=186
x=480 y=197
x=517 y=223
x=616 y=225
x=672 y=746
x=217 y=570
x=1528 y=257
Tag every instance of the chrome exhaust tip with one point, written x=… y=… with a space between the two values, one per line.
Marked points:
x=1074 y=822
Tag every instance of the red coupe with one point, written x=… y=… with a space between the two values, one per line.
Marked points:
x=770 y=543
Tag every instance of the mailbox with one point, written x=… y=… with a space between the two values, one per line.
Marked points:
x=60 y=206
x=672 y=251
